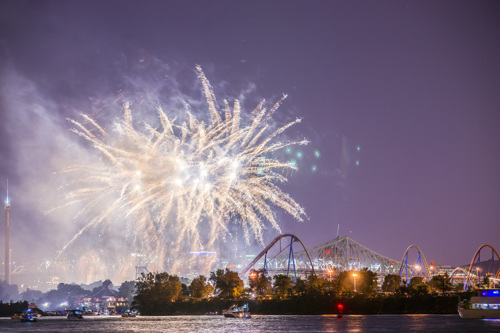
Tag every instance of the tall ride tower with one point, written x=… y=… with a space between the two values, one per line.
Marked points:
x=7 y=245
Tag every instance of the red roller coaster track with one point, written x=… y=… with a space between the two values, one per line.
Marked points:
x=263 y=252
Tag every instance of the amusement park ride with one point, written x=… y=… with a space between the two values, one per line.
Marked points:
x=344 y=254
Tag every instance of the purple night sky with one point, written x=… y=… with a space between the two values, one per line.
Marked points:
x=400 y=98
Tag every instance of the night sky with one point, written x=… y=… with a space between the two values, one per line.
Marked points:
x=400 y=101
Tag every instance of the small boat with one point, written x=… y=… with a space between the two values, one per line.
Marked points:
x=237 y=312
x=15 y=316
x=128 y=315
x=28 y=317
x=87 y=312
x=486 y=305
x=74 y=314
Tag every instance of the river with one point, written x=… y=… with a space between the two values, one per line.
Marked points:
x=257 y=324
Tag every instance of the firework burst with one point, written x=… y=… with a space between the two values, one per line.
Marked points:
x=179 y=186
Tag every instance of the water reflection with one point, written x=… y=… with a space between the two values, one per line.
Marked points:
x=258 y=324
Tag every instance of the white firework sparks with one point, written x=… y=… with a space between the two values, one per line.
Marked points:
x=184 y=183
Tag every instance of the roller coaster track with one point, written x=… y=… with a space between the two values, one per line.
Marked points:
x=344 y=253
x=466 y=275
x=466 y=285
x=404 y=263
x=263 y=253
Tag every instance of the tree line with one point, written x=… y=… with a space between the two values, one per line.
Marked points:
x=163 y=293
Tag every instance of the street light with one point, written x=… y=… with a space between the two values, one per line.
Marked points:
x=354 y=277
x=330 y=271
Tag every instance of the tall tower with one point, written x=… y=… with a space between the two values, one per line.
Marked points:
x=7 y=245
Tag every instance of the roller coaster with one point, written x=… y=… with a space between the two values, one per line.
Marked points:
x=422 y=270
x=343 y=254
x=473 y=263
x=280 y=264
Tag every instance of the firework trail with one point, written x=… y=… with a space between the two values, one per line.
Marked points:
x=179 y=186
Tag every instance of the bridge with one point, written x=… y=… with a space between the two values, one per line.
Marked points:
x=339 y=254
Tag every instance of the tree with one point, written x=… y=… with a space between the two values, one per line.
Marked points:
x=70 y=294
x=368 y=281
x=260 y=283
x=315 y=284
x=403 y=290
x=227 y=283
x=300 y=286
x=441 y=282
x=155 y=292
x=415 y=281
x=31 y=295
x=127 y=291
x=391 y=282
x=417 y=286
x=200 y=288
x=282 y=285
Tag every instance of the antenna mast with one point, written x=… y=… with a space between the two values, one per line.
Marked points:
x=7 y=245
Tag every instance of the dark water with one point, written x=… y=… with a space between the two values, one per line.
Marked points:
x=288 y=324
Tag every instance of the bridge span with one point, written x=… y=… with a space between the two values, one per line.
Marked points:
x=339 y=254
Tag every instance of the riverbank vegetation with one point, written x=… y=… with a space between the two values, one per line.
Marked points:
x=352 y=292
x=164 y=294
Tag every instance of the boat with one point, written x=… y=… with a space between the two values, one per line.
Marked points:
x=74 y=314
x=15 y=316
x=237 y=312
x=87 y=312
x=28 y=317
x=486 y=305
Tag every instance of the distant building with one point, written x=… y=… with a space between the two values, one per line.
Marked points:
x=105 y=300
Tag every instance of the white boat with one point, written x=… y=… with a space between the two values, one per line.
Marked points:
x=486 y=305
x=237 y=312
